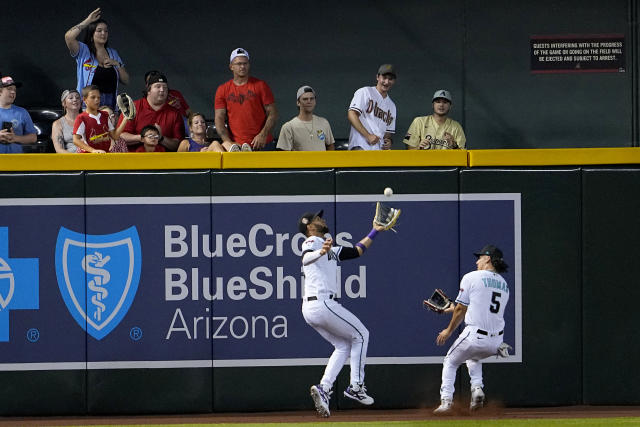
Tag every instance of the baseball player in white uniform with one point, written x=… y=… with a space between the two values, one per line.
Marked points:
x=372 y=113
x=326 y=315
x=481 y=302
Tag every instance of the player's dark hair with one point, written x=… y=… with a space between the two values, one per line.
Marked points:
x=499 y=265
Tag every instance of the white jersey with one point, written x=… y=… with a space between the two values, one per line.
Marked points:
x=377 y=115
x=321 y=276
x=486 y=294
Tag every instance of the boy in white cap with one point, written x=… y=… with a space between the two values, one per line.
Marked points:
x=437 y=131
x=306 y=131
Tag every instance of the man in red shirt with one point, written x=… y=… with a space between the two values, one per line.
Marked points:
x=154 y=110
x=247 y=104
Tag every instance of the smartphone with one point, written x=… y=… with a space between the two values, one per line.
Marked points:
x=7 y=125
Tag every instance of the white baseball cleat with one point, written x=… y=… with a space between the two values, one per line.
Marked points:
x=358 y=393
x=477 y=398
x=445 y=408
x=321 y=400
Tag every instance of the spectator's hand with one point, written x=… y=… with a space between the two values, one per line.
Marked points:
x=6 y=135
x=387 y=144
x=159 y=129
x=449 y=138
x=259 y=141
x=110 y=62
x=373 y=139
x=99 y=151
x=94 y=16
x=424 y=145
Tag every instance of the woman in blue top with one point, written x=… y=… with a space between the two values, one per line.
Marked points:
x=96 y=63
x=198 y=139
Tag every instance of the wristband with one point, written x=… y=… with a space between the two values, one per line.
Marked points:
x=372 y=233
x=361 y=246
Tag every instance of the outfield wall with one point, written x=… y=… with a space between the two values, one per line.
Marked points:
x=568 y=233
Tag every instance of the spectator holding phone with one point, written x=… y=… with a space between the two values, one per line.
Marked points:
x=17 y=126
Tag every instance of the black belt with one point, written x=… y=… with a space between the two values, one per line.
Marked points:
x=315 y=298
x=481 y=332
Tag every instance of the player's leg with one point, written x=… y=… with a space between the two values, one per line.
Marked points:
x=345 y=324
x=342 y=349
x=456 y=355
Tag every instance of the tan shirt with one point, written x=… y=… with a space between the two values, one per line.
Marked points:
x=296 y=135
x=427 y=128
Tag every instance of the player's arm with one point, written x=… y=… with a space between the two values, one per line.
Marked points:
x=458 y=316
x=309 y=256
x=354 y=119
x=361 y=246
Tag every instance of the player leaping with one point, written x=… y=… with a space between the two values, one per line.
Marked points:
x=325 y=314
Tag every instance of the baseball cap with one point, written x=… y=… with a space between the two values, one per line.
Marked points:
x=441 y=93
x=306 y=219
x=8 y=81
x=238 y=52
x=490 y=250
x=303 y=90
x=156 y=78
x=387 y=69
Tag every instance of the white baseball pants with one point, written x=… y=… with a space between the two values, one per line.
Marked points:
x=470 y=347
x=345 y=332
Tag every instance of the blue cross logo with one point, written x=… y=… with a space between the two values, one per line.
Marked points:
x=18 y=284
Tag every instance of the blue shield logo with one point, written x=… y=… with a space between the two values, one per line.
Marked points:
x=98 y=277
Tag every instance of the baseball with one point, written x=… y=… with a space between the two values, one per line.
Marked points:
x=388 y=192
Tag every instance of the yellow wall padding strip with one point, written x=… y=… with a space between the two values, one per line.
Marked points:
x=555 y=157
x=343 y=159
x=111 y=161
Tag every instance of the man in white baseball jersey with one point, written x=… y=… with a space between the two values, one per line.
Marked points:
x=372 y=113
x=481 y=302
x=436 y=131
x=326 y=315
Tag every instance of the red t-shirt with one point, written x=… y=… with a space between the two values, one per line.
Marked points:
x=159 y=149
x=167 y=117
x=94 y=130
x=177 y=101
x=245 y=108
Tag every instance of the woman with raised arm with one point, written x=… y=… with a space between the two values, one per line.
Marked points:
x=96 y=63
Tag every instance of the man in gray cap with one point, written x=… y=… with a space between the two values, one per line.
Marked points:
x=306 y=131
x=372 y=113
x=437 y=131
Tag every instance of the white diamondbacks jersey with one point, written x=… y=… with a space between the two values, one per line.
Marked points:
x=377 y=115
x=321 y=276
x=486 y=294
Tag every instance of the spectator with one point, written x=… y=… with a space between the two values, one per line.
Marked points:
x=96 y=63
x=372 y=113
x=174 y=97
x=119 y=145
x=62 y=129
x=17 y=126
x=306 y=131
x=437 y=131
x=248 y=105
x=198 y=139
x=153 y=109
x=92 y=131
x=150 y=137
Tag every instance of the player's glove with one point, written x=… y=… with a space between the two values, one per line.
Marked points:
x=438 y=302
x=126 y=106
x=503 y=350
x=386 y=216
